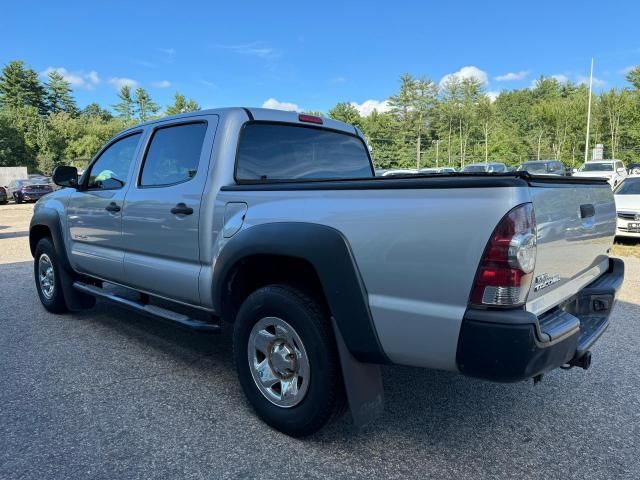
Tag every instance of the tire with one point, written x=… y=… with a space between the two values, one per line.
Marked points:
x=45 y=256
x=17 y=198
x=303 y=329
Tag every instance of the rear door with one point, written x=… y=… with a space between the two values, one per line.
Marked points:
x=575 y=228
x=162 y=210
x=94 y=212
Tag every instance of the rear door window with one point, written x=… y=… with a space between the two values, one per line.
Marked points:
x=173 y=155
x=271 y=152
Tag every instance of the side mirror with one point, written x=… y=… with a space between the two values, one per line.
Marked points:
x=622 y=171
x=65 y=176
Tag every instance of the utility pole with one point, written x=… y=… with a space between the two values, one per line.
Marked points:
x=586 y=143
x=418 y=153
x=437 y=142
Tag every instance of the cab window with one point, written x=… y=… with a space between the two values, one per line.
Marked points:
x=111 y=170
x=173 y=155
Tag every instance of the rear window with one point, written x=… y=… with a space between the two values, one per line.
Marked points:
x=597 y=167
x=475 y=168
x=288 y=152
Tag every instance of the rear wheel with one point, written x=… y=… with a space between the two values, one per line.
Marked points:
x=287 y=360
x=17 y=198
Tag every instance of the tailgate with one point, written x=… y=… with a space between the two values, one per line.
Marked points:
x=576 y=223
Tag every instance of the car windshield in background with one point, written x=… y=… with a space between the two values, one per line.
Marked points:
x=597 y=167
x=629 y=187
x=475 y=168
x=269 y=151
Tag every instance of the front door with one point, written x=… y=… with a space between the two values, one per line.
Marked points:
x=162 y=211
x=94 y=212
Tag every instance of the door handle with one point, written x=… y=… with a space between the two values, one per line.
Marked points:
x=112 y=208
x=181 y=209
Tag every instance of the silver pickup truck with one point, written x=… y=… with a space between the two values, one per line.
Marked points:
x=275 y=224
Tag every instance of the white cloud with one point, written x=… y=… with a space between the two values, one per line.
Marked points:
x=277 y=105
x=120 y=82
x=168 y=51
x=492 y=95
x=511 y=76
x=76 y=79
x=466 y=72
x=584 y=80
x=161 y=84
x=254 y=49
x=626 y=70
x=367 y=107
x=560 y=78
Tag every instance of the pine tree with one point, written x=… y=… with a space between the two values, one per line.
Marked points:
x=93 y=110
x=182 y=105
x=347 y=113
x=125 y=107
x=633 y=77
x=58 y=95
x=144 y=105
x=20 y=87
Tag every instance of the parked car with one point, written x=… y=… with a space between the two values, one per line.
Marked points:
x=613 y=170
x=3 y=196
x=627 y=196
x=274 y=223
x=447 y=170
x=633 y=168
x=491 y=167
x=543 y=167
x=27 y=190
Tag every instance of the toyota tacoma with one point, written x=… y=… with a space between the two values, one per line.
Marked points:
x=275 y=224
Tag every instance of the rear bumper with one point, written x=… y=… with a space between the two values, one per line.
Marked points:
x=514 y=345
x=33 y=196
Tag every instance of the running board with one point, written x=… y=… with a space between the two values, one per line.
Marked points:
x=152 y=310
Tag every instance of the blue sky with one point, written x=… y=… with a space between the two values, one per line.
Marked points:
x=314 y=54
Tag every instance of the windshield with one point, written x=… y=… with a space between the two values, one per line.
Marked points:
x=629 y=187
x=597 y=167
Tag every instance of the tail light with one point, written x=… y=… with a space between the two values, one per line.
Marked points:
x=505 y=271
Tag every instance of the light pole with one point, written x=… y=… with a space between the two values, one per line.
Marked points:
x=437 y=144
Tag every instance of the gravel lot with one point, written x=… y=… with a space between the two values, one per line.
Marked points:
x=109 y=394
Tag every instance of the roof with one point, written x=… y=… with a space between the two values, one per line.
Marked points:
x=260 y=114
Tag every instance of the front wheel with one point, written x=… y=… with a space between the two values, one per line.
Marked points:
x=287 y=360
x=46 y=270
x=17 y=199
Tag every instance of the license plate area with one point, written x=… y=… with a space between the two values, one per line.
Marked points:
x=633 y=227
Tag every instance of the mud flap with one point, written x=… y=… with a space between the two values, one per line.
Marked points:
x=76 y=301
x=362 y=384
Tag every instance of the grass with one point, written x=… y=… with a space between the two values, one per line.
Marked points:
x=626 y=247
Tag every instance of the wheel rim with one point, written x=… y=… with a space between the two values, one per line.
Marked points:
x=46 y=276
x=278 y=362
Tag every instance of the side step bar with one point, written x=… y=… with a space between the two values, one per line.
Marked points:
x=153 y=310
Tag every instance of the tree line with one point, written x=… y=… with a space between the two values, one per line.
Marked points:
x=456 y=123
x=41 y=125
x=423 y=125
